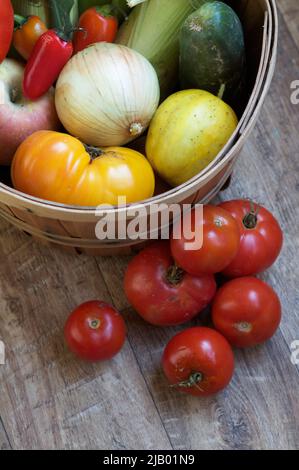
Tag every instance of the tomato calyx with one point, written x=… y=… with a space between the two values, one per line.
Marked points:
x=250 y=219
x=193 y=380
x=243 y=327
x=94 y=323
x=175 y=275
x=93 y=152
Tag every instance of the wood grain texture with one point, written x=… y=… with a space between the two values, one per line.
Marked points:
x=50 y=400
x=4 y=441
x=290 y=11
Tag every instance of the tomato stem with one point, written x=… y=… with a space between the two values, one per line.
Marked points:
x=194 y=379
x=94 y=152
x=95 y=324
x=243 y=327
x=250 y=219
x=174 y=275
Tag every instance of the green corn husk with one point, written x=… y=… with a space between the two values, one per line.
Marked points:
x=153 y=30
x=44 y=9
x=64 y=14
x=39 y=8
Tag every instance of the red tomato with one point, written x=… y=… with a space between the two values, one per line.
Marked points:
x=95 y=331
x=246 y=311
x=198 y=361
x=98 y=24
x=261 y=238
x=162 y=293
x=221 y=240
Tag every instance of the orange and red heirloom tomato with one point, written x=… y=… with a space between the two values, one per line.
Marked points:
x=57 y=167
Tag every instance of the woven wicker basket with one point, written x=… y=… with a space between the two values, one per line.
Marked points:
x=73 y=228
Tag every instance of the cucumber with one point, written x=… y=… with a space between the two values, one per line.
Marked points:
x=212 y=51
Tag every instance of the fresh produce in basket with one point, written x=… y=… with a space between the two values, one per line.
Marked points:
x=26 y=34
x=221 y=241
x=50 y=54
x=57 y=167
x=161 y=292
x=153 y=30
x=187 y=132
x=246 y=311
x=6 y=27
x=95 y=25
x=107 y=94
x=95 y=331
x=198 y=361
x=261 y=238
x=212 y=50
x=20 y=117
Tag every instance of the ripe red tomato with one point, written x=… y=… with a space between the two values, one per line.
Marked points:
x=162 y=293
x=95 y=331
x=246 y=311
x=221 y=240
x=198 y=361
x=261 y=238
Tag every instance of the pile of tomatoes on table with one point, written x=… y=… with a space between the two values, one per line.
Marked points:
x=168 y=284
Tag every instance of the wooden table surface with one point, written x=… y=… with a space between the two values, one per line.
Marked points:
x=50 y=400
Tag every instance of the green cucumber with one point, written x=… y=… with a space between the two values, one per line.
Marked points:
x=212 y=50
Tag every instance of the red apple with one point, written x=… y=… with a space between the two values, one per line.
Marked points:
x=20 y=117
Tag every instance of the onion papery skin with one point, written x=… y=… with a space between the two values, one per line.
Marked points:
x=107 y=94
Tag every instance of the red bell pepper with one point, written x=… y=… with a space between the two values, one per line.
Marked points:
x=6 y=27
x=96 y=24
x=50 y=54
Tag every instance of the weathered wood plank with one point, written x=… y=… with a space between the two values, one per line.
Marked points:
x=290 y=11
x=4 y=441
x=257 y=411
x=49 y=399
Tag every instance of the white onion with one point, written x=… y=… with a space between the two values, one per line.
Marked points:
x=107 y=94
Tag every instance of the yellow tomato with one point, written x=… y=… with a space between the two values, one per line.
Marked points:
x=57 y=167
x=187 y=132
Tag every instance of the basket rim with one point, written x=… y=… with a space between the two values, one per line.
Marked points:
x=231 y=146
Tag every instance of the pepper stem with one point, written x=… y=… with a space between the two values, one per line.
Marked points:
x=20 y=20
